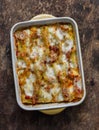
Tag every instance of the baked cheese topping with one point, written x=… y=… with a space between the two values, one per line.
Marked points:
x=47 y=66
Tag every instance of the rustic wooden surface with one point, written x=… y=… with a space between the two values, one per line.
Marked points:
x=82 y=117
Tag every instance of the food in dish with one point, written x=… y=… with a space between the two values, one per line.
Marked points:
x=47 y=66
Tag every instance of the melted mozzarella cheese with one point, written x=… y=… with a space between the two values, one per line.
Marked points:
x=28 y=87
x=65 y=62
x=38 y=32
x=51 y=40
x=21 y=64
x=27 y=31
x=45 y=95
x=38 y=65
x=73 y=65
x=59 y=34
x=48 y=59
x=51 y=29
x=40 y=51
x=78 y=84
x=52 y=43
x=32 y=77
x=63 y=58
x=32 y=67
x=55 y=90
x=50 y=72
x=67 y=35
x=27 y=40
x=66 y=26
x=39 y=42
x=33 y=54
x=60 y=97
x=36 y=51
x=57 y=68
x=71 y=89
x=67 y=45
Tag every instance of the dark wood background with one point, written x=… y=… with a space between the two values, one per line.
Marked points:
x=82 y=117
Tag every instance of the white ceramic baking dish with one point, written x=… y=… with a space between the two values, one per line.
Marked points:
x=17 y=88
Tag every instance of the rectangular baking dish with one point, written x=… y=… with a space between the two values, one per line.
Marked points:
x=17 y=88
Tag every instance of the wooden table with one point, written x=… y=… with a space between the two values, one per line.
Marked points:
x=82 y=117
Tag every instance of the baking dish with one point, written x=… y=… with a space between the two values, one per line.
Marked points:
x=43 y=22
